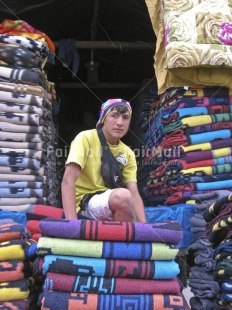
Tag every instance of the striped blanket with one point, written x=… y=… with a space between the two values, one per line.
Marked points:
x=106 y=249
x=167 y=232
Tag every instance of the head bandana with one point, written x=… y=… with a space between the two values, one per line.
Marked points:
x=107 y=106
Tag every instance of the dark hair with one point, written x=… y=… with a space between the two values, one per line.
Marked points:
x=121 y=109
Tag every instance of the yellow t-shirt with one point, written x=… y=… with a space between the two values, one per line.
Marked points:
x=85 y=150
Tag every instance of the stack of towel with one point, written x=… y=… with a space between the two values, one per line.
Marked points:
x=189 y=145
x=219 y=219
x=109 y=265
x=17 y=252
x=27 y=140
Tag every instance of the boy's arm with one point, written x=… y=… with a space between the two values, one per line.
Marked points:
x=71 y=174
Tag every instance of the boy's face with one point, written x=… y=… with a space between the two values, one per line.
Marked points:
x=116 y=124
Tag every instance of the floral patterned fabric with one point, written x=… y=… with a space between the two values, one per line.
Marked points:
x=194 y=38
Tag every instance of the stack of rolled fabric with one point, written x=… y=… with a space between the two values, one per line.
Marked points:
x=218 y=228
x=27 y=141
x=189 y=145
x=109 y=265
x=17 y=253
x=202 y=281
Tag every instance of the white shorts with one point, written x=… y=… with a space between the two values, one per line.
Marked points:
x=98 y=207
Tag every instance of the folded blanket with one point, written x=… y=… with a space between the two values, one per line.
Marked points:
x=215 y=208
x=15 y=290
x=62 y=300
x=20 y=304
x=40 y=48
x=17 y=97
x=16 y=192
x=25 y=89
x=21 y=137
x=23 y=145
x=8 y=127
x=22 y=170
x=20 y=185
x=33 y=226
x=115 y=268
x=17 y=250
x=20 y=118
x=106 y=249
x=21 y=201
x=18 y=57
x=169 y=232
x=10 y=231
x=32 y=76
x=101 y=285
x=14 y=270
x=20 y=108
x=22 y=178
x=21 y=153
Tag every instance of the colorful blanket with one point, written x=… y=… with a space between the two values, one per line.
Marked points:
x=17 y=250
x=68 y=301
x=100 y=285
x=169 y=232
x=14 y=270
x=12 y=231
x=20 y=304
x=14 y=290
x=115 y=268
x=106 y=249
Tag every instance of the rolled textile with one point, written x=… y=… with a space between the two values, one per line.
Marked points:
x=169 y=232
x=62 y=300
x=14 y=270
x=101 y=285
x=106 y=249
x=115 y=268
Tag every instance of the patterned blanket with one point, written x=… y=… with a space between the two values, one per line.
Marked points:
x=69 y=301
x=14 y=270
x=17 y=250
x=167 y=232
x=116 y=268
x=14 y=290
x=101 y=285
x=10 y=231
x=106 y=249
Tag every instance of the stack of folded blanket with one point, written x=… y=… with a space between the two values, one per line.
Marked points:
x=109 y=265
x=202 y=276
x=17 y=253
x=27 y=140
x=219 y=219
x=189 y=144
